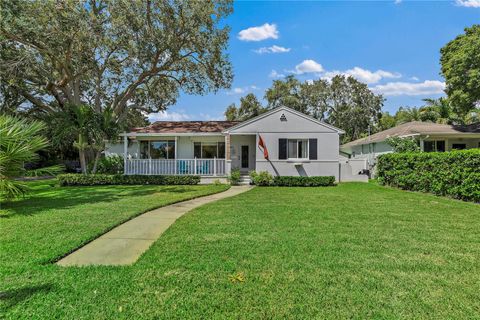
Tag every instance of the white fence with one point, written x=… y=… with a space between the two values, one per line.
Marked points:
x=202 y=167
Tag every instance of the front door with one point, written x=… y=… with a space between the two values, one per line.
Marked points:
x=245 y=156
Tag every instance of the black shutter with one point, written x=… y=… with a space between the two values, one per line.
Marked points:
x=282 y=149
x=312 y=149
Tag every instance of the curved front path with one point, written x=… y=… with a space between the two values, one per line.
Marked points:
x=124 y=244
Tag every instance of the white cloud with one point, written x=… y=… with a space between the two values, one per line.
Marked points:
x=368 y=76
x=272 y=49
x=168 y=116
x=308 y=66
x=363 y=75
x=259 y=33
x=275 y=74
x=242 y=90
x=427 y=87
x=414 y=78
x=468 y=3
x=398 y=1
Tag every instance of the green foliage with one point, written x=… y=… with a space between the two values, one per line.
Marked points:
x=460 y=61
x=234 y=177
x=262 y=178
x=19 y=141
x=287 y=181
x=123 y=54
x=119 y=179
x=403 y=144
x=112 y=164
x=455 y=174
x=249 y=107
x=386 y=121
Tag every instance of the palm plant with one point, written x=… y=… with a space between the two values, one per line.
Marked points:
x=20 y=139
x=440 y=111
x=407 y=114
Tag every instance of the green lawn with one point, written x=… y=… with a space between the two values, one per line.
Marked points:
x=351 y=251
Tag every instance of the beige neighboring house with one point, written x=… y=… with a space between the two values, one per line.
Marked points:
x=432 y=137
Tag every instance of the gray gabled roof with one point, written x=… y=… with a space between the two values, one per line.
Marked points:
x=269 y=112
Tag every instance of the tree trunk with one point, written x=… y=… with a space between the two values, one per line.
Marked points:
x=81 y=153
x=83 y=162
x=95 y=164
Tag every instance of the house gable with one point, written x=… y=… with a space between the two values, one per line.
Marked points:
x=282 y=119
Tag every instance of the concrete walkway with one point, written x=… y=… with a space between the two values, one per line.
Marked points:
x=124 y=244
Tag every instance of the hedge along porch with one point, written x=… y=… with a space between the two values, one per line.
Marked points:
x=297 y=145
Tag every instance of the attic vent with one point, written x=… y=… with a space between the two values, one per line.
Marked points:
x=283 y=118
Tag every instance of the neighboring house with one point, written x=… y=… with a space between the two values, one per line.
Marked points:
x=431 y=137
x=297 y=145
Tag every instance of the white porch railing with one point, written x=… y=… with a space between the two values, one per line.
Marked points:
x=202 y=167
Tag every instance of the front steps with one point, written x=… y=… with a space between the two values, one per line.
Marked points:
x=244 y=179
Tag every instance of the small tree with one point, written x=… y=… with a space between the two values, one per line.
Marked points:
x=402 y=145
x=19 y=141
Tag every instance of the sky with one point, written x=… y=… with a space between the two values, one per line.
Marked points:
x=393 y=46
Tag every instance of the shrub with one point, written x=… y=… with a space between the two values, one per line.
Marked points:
x=118 y=179
x=217 y=182
x=234 y=177
x=263 y=178
x=110 y=165
x=287 y=181
x=403 y=144
x=455 y=174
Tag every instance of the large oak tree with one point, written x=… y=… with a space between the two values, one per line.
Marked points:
x=118 y=55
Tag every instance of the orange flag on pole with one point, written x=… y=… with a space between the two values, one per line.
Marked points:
x=262 y=147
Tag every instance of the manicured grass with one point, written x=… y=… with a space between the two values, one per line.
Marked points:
x=351 y=251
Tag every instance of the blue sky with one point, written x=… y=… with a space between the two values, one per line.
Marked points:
x=392 y=45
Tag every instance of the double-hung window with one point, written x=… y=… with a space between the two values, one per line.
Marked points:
x=297 y=148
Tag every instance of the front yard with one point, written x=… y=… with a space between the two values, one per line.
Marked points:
x=355 y=250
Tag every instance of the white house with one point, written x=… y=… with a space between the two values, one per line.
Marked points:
x=297 y=145
x=431 y=137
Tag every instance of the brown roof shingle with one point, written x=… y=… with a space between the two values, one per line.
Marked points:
x=416 y=127
x=186 y=127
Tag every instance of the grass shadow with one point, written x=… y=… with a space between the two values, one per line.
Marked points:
x=55 y=197
x=10 y=298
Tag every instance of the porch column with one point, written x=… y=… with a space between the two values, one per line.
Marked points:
x=228 y=160
x=421 y=144
x=175 y=158
x=125 y=151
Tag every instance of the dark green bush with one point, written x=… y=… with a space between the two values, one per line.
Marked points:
x=234 y=177
x=455 y=174
x=119 y=179
x=287 y=181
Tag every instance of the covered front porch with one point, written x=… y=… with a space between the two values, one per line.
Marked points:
x=203 y=154
x=160 y=154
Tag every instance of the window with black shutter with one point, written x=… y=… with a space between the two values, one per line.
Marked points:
x=313 y=153
x=282 y=149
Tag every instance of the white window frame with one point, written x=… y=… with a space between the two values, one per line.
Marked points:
x=298 y=139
